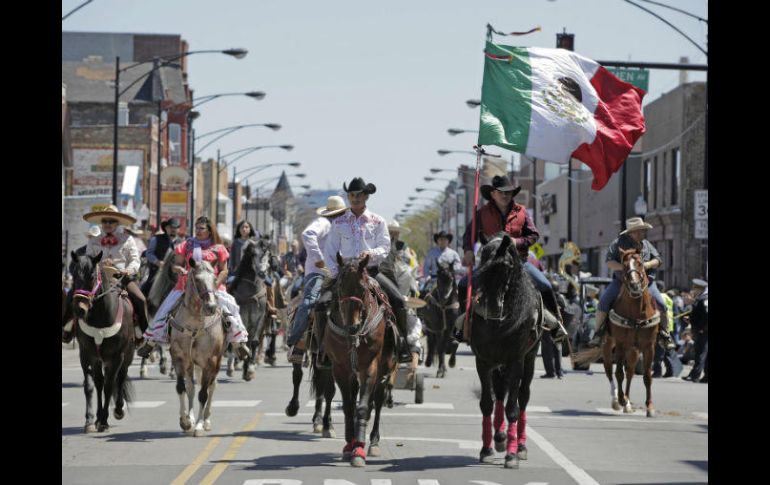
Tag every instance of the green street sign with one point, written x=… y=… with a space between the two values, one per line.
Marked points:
x=638 y=77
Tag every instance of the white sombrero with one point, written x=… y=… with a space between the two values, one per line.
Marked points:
x=396 y=227
x=94 y=231
x=109 y=212
x=334 y=205
x=635 y=224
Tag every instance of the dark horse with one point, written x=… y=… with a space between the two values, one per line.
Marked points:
x=362 y=353
x=507 y=320
x=440 y=315
x=105 y=333
x=250 y=293
x=321 y=385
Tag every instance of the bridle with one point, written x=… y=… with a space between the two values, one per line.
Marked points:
x=628 y=278
x=91 y=297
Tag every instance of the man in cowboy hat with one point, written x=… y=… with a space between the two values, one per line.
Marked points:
x=699 y=321
x=92 y=232
x=397 y=251
x=118 y=250
x=366 y=233
x=440 y=253
x=314 y=239
x=159 y=246
x=633 y=237
x=502 y=213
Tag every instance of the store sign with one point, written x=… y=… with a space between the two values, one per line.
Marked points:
x=701 y=215
x=636 y=77
x=92 y=170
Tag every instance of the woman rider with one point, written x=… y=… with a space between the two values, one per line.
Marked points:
x=243 y=232
x=209 y=244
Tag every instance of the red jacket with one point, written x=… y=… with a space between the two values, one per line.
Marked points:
x=517 y=223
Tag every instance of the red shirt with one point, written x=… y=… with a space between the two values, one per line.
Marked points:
x=213 y=254
x=516 y=222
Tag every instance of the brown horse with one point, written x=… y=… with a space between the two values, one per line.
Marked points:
x=634 y=320
x=362 y=352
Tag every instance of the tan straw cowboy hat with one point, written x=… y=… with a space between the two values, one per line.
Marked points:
x=334 y=205
x=109 y=212
x=396 y=227
x=635 y=224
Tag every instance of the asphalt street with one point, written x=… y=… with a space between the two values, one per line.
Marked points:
x=573 y=435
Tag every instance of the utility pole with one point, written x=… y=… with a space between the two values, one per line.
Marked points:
x=567 y=41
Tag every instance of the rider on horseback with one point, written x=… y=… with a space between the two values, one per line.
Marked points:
x=159 y=245
x=358 y=232
x=119 y=251
x=633 y=237
x=502 y=213
x=441 y=253
x=314 y=238
x=206 y=243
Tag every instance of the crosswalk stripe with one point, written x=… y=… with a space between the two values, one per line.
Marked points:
x=431 y=405
x=612 y=412
x=235 y=404
x=335 y=404
x=146 y=404
x=701 y=415
x=64 y=404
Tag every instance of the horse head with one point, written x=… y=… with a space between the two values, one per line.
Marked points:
x=201 y=287
x=352 y=289
x=499 y=271
x=634 y=275
x=445 y=280
x=86 y=282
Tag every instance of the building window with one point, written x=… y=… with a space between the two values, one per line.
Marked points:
x=174 y=143
x=675 y=174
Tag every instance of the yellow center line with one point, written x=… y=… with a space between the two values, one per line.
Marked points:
x=219 y=468
x=197 y=462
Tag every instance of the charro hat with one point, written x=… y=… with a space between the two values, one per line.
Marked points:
x=499 y=183
x=635 y=224
x=109 y=212
x=334 y=205
x=443 y=233
x=358 y=185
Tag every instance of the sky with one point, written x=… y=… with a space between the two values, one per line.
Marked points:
x=369 y=89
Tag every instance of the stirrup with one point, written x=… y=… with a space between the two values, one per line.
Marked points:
x=243 y=351
x=296 y=355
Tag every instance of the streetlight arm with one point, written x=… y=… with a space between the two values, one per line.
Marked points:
x=678 y=10
x=76 y=9
x=231 y=130
x=172 y=58
x=670 y=25
x=140 y=78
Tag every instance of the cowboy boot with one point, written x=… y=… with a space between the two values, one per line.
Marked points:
x=404 y=354
x=664 y=338
x=322 y=360
x=556 y=327
x=601 y=328
x=146 y=348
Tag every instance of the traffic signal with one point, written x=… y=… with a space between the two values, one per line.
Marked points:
x=565 y=41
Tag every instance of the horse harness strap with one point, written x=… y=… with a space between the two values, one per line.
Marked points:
x=443 y=307
x=539 y=328
x=194 y=332
x=638 y=324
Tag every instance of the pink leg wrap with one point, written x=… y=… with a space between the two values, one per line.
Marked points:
x=486 y=431
x=522 y=428
x=499 y=416
x=513 y=445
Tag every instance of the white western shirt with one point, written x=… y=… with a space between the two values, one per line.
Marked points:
x=314 y=239
x=351 y=235
x=124 y=255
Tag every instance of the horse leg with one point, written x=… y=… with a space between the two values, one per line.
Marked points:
x=632 y=355
x=441 y=347
x=143 y=368
x=230 y=364
x=163 y=360
x=374 y=437
x=318 y=424
x=648 y=357
x=487 y=453
x=500 y=390
x=296 y=379
x=431 y=348
x=120 y=397
x=524 y=394
x=110 y=372
x=181 y=390
x=607 y=361
x=209 y=398
x=620 y=364
x=329 y=391
x=363 y=411
x=88 y=389
x=99 y=383
x=514 y=373
x=348 y=407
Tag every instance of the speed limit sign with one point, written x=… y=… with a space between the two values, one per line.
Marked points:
x=701 y=215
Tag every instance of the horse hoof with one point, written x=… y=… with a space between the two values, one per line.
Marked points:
x=90 y=428
x=628 y=409
x=615 y=405
x=163 y=369
x=102 y=427
x=143 y=372
x=512 y=461
x=374 y=450
x=292 y=408
x=250 y=374
x=500 y=440
x=118 y=413
x=318 y=427
x=199 y=432
x=358 y=462
x=329 y=433
x=238 y=365
x=522 y=453
x=650 y=413
x=487 y=455
x=346 y=455
x=229 y=372
x=184 y=423
x=207 y=425
x=452 y=362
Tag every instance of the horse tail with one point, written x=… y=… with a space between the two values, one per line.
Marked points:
x=587 y=356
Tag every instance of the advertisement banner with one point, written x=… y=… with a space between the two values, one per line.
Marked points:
x=92 y=170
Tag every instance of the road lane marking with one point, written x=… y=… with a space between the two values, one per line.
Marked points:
x=701 y=415
x=231 y=452
x=427 y=482
x=335 y=404
x=188 y=472
x=577 y=473
x=64 y=404
x=146 y=404
x=431 y=405
x=612 y=412
x=235 y=404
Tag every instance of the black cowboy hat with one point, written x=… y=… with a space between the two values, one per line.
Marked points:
x=358 y=185
x=499 y=183
x=443 y=233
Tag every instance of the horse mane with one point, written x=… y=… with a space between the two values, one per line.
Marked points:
x=521 y=295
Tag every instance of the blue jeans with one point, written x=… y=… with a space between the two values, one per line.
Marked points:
x=538 y=278
x=613 y=290
x=313 y=283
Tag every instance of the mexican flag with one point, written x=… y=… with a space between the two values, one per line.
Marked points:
x=554 y=104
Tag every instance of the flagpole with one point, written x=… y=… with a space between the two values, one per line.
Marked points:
x=467 y=322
